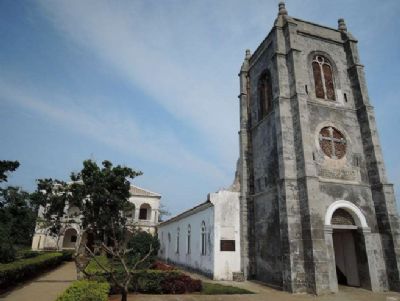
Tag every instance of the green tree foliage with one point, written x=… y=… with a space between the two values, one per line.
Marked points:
x=139 y=245
x=101 y=194
x=6 y=167
x=17 y=215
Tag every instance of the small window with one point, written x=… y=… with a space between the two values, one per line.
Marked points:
x=203 y=239
x=323 y=78
x=188 y=239
x=177 y=241
x=227 y=245
x=264 y=95
x=73 y=238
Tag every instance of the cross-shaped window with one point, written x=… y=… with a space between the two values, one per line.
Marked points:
x=332 y=142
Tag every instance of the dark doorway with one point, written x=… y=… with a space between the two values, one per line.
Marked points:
x=346 y=257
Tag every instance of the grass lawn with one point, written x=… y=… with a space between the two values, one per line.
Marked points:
x=219 y=289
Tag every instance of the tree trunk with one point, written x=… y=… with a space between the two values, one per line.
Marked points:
x=124 y=295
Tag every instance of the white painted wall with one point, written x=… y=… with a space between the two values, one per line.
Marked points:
x=194 y=259
x=154 y=203
x=227 y=227
x=41 y=240
x=221 y=216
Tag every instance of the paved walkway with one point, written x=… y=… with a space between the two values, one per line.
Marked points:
x=264 y=293
x=46 y=287
x=269 y=294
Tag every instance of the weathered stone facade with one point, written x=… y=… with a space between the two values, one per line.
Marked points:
x=292 y=181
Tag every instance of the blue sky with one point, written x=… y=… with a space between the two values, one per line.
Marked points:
x=153 y=84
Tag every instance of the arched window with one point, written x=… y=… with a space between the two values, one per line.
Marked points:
x=323 y=78
x=144 y=212
x=177 y=240
x=189 y=230
x=203 y=239
x=264 y=95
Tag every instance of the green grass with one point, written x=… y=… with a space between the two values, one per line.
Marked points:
x=94 y=268
x=219 y=289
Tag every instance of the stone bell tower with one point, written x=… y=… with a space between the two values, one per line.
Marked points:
x=316 y=206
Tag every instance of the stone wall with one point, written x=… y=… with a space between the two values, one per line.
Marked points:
x=294 y=181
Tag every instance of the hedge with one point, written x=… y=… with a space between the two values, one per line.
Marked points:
x=85 y=290
x=150 y=281
x=14 y=272
x=164 y=282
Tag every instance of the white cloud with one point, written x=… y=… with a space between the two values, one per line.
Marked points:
x=170 y=58
x=115 y=130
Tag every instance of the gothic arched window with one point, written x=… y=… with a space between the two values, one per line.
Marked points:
x=177 y=240
x=203 y=238
x=264 y=95
x=188 y=239
x=323 y=78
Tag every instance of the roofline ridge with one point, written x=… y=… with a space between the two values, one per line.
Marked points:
x=146 y=190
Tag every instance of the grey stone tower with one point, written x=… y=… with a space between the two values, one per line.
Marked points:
x=316 y=206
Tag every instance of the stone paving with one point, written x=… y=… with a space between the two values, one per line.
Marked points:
x=265 y=293
x=269 y=294
x=46 y=287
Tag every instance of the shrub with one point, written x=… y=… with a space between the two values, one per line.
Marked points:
x=166 y=282
x=7 y=253
x=151 y=281
x=180 y=284
x=19 y=270
x=27 y=253
x=139 y=244
x=85 y=290
x=67 y=255
x=159 y=265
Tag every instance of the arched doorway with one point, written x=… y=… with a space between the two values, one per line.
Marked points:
x=348 y=237
x=344 y=247
x=70 y=239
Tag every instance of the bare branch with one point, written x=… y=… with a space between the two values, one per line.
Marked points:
x=107 y=249
x=143 y=259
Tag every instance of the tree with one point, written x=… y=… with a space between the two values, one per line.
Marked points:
x=17 y=215
x=163 y=212
x=101 y=194
x=6 y=167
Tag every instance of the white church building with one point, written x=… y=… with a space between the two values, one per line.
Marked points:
x=205 y=238
x=145 y=214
